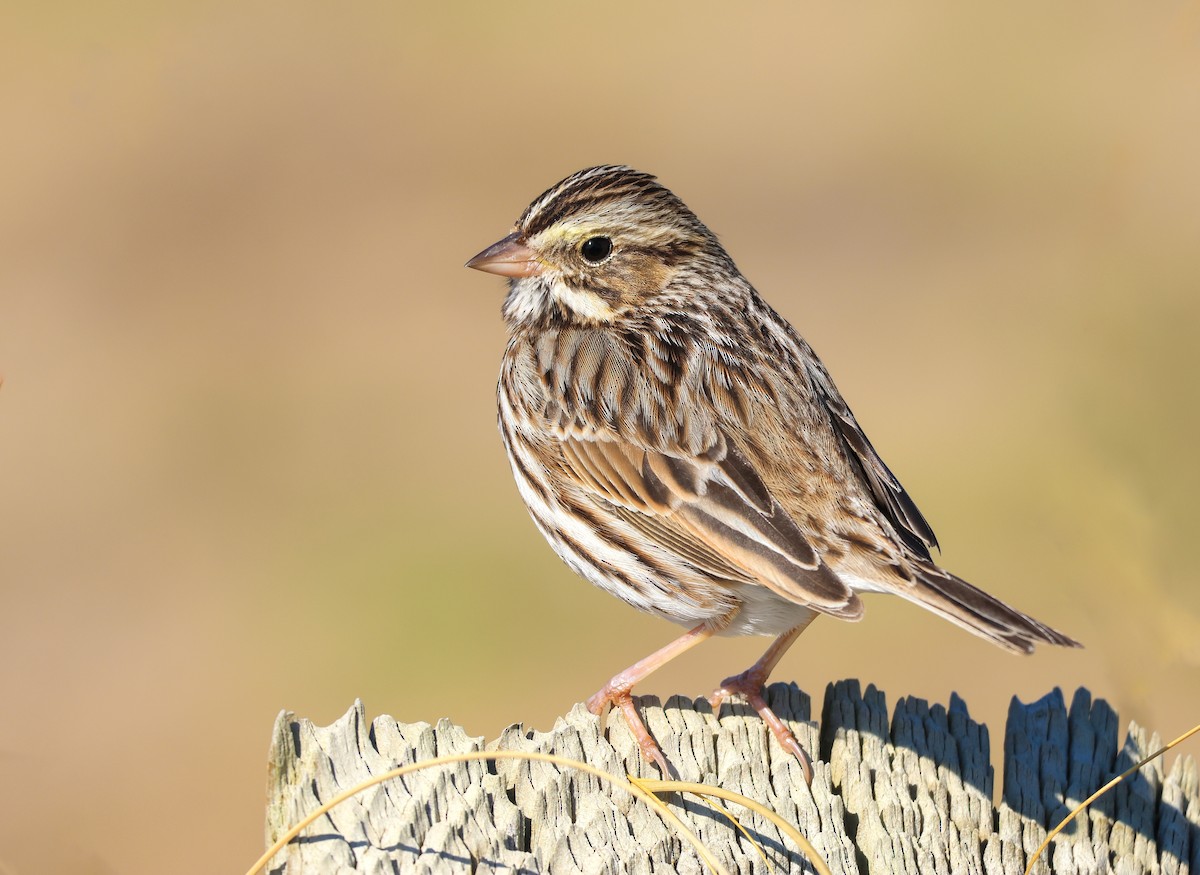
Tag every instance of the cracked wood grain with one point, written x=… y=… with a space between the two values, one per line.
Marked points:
x=904 y=790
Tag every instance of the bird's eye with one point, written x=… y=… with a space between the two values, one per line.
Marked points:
x=596 y=249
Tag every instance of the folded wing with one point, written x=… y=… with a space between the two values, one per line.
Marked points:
x=713 y=510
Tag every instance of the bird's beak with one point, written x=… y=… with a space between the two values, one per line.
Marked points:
x=508 y=257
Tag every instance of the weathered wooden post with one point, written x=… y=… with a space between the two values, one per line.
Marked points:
x=905 y=792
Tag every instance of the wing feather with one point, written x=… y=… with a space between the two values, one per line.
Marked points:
x=890 y=496
x=713 y=510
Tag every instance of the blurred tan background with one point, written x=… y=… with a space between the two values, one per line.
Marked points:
x=247 y=424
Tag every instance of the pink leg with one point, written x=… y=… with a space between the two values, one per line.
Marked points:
x=750 y=684
x=618 y=690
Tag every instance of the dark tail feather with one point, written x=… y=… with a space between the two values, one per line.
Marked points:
x=978 y=612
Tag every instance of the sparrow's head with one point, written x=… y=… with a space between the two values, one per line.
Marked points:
x=603 y=243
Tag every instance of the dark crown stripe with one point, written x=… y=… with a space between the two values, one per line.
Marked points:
x=584 y=190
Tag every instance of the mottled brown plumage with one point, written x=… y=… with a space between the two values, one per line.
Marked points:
x=682 y=447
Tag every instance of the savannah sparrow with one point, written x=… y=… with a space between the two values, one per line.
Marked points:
x=682 y=447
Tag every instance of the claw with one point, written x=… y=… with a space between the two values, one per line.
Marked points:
x=718 y=698
x=750 y=685
x=599 y=703
x=608 y=696
x=618 y=690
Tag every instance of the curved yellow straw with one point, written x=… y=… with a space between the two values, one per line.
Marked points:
x=786 y=828
x=663 y=811
x=1114 y=782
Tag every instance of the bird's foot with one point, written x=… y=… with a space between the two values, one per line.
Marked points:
x=611 y=694
x=750 y=685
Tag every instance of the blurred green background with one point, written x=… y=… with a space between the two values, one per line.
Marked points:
x=248 y=431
